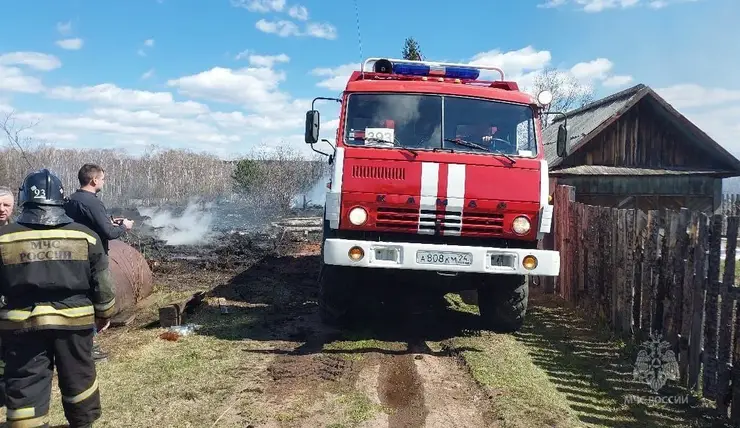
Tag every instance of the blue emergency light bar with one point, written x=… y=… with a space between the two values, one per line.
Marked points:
x=423 y=68
x=426 y=70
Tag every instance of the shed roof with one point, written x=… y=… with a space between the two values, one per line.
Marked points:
x=587 y=122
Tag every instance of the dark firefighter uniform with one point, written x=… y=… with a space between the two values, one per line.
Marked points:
x=54 y=275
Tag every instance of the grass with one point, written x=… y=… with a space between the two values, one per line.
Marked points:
x=559 y=371
x=562 y=371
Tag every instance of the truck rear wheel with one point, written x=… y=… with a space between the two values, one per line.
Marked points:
x=335 y=294
x=502 y=302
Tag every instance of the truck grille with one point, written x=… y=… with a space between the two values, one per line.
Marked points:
x=449 y=221
x=411 y=220
x=378 y=172
x=398 y=218
x=483 y=223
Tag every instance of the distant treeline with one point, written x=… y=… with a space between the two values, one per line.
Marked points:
x=173 y=177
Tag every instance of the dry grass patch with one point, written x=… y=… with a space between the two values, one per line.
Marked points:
x=562 y=371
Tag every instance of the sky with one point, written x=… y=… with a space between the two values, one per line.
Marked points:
x=228 y=77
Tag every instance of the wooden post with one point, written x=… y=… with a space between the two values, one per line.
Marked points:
x=724 y=351
x=699 y=268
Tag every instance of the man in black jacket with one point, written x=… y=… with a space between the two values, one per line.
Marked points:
x=86 y=208
x=54 y=275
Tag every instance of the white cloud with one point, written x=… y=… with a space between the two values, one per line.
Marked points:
x=13 y=76
x=284 y=28
x=593 y=6
x=690 y=95
x=712 y=109
x=596 y=69
x=335 y=78
x=262 y=6
x=148 y=74
x=321 y=30
x=12 y=79
x=260 y=113
x=268 y=60
x=615 y=81
x=148 y=44
x=64 y=28
x=111 y=95
x=70 y=44
x=298 y=12
x=34 y=60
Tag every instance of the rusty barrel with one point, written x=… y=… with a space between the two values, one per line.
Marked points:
x=131 y=274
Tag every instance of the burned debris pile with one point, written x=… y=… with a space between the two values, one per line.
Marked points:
x=223 y=250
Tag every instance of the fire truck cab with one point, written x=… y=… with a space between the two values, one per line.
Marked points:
x=439 y=178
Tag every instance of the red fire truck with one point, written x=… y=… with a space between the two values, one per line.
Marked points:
x=439 y=182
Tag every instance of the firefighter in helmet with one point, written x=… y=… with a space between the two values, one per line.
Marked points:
x=55 y=278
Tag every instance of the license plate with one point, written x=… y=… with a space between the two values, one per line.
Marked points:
x=444 y=258
x=502 y=260
x=386 y=254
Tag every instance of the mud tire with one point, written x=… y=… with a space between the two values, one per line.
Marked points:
x=502 y=302
x=335 y=295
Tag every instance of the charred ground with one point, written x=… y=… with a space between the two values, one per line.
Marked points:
x=269 y=361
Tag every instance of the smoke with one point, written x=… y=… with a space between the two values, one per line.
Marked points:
x=315 y=196
x=192 y=226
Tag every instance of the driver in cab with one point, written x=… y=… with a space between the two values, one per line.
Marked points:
x=485 y=135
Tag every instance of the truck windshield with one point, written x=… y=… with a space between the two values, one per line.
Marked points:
x=427 y=122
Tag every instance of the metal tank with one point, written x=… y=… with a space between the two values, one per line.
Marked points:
x=131 y=274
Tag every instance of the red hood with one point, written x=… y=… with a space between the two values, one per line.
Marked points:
x=457 y=176
x=454 y=194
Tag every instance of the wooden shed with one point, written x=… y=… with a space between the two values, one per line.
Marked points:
x=633 y=150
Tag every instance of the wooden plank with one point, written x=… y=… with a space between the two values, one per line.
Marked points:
x=592 y=238
x=603 y=260
x=665 y=273
x=629 y=272
x=724 y=350
x=613 y=278
x=697 y=317
x=711 y=310
x=572 y=246
x=648 y=284
x=687 y=298
x=174 y=314
x=640 y=232
x=618 y=279
x=671 y=291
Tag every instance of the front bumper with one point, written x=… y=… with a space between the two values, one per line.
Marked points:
x=405 y=255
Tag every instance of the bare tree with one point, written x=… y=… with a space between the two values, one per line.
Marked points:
x=15 y=140
x=568 y=93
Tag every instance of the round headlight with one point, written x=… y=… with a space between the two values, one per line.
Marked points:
x=358 y=216
x=521 y=225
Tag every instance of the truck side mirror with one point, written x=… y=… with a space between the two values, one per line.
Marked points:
x=562 y=143
x=312 y=126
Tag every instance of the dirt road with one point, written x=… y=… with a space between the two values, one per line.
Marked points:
x=269 y=362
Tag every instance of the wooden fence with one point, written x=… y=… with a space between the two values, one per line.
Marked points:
x=657 y=272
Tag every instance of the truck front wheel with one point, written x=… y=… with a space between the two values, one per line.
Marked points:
x=335 y=294
x=502 y=302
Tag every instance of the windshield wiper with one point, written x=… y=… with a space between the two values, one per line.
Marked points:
x=478 y=146
x=395 y=144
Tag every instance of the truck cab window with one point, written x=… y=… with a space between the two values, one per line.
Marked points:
x=416 y=121
x=383 y=120
x=496 y=126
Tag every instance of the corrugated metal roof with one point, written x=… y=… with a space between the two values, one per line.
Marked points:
x=618 y=170
x=586 y=119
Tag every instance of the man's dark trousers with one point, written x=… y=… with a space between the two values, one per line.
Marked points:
x=30 y=359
